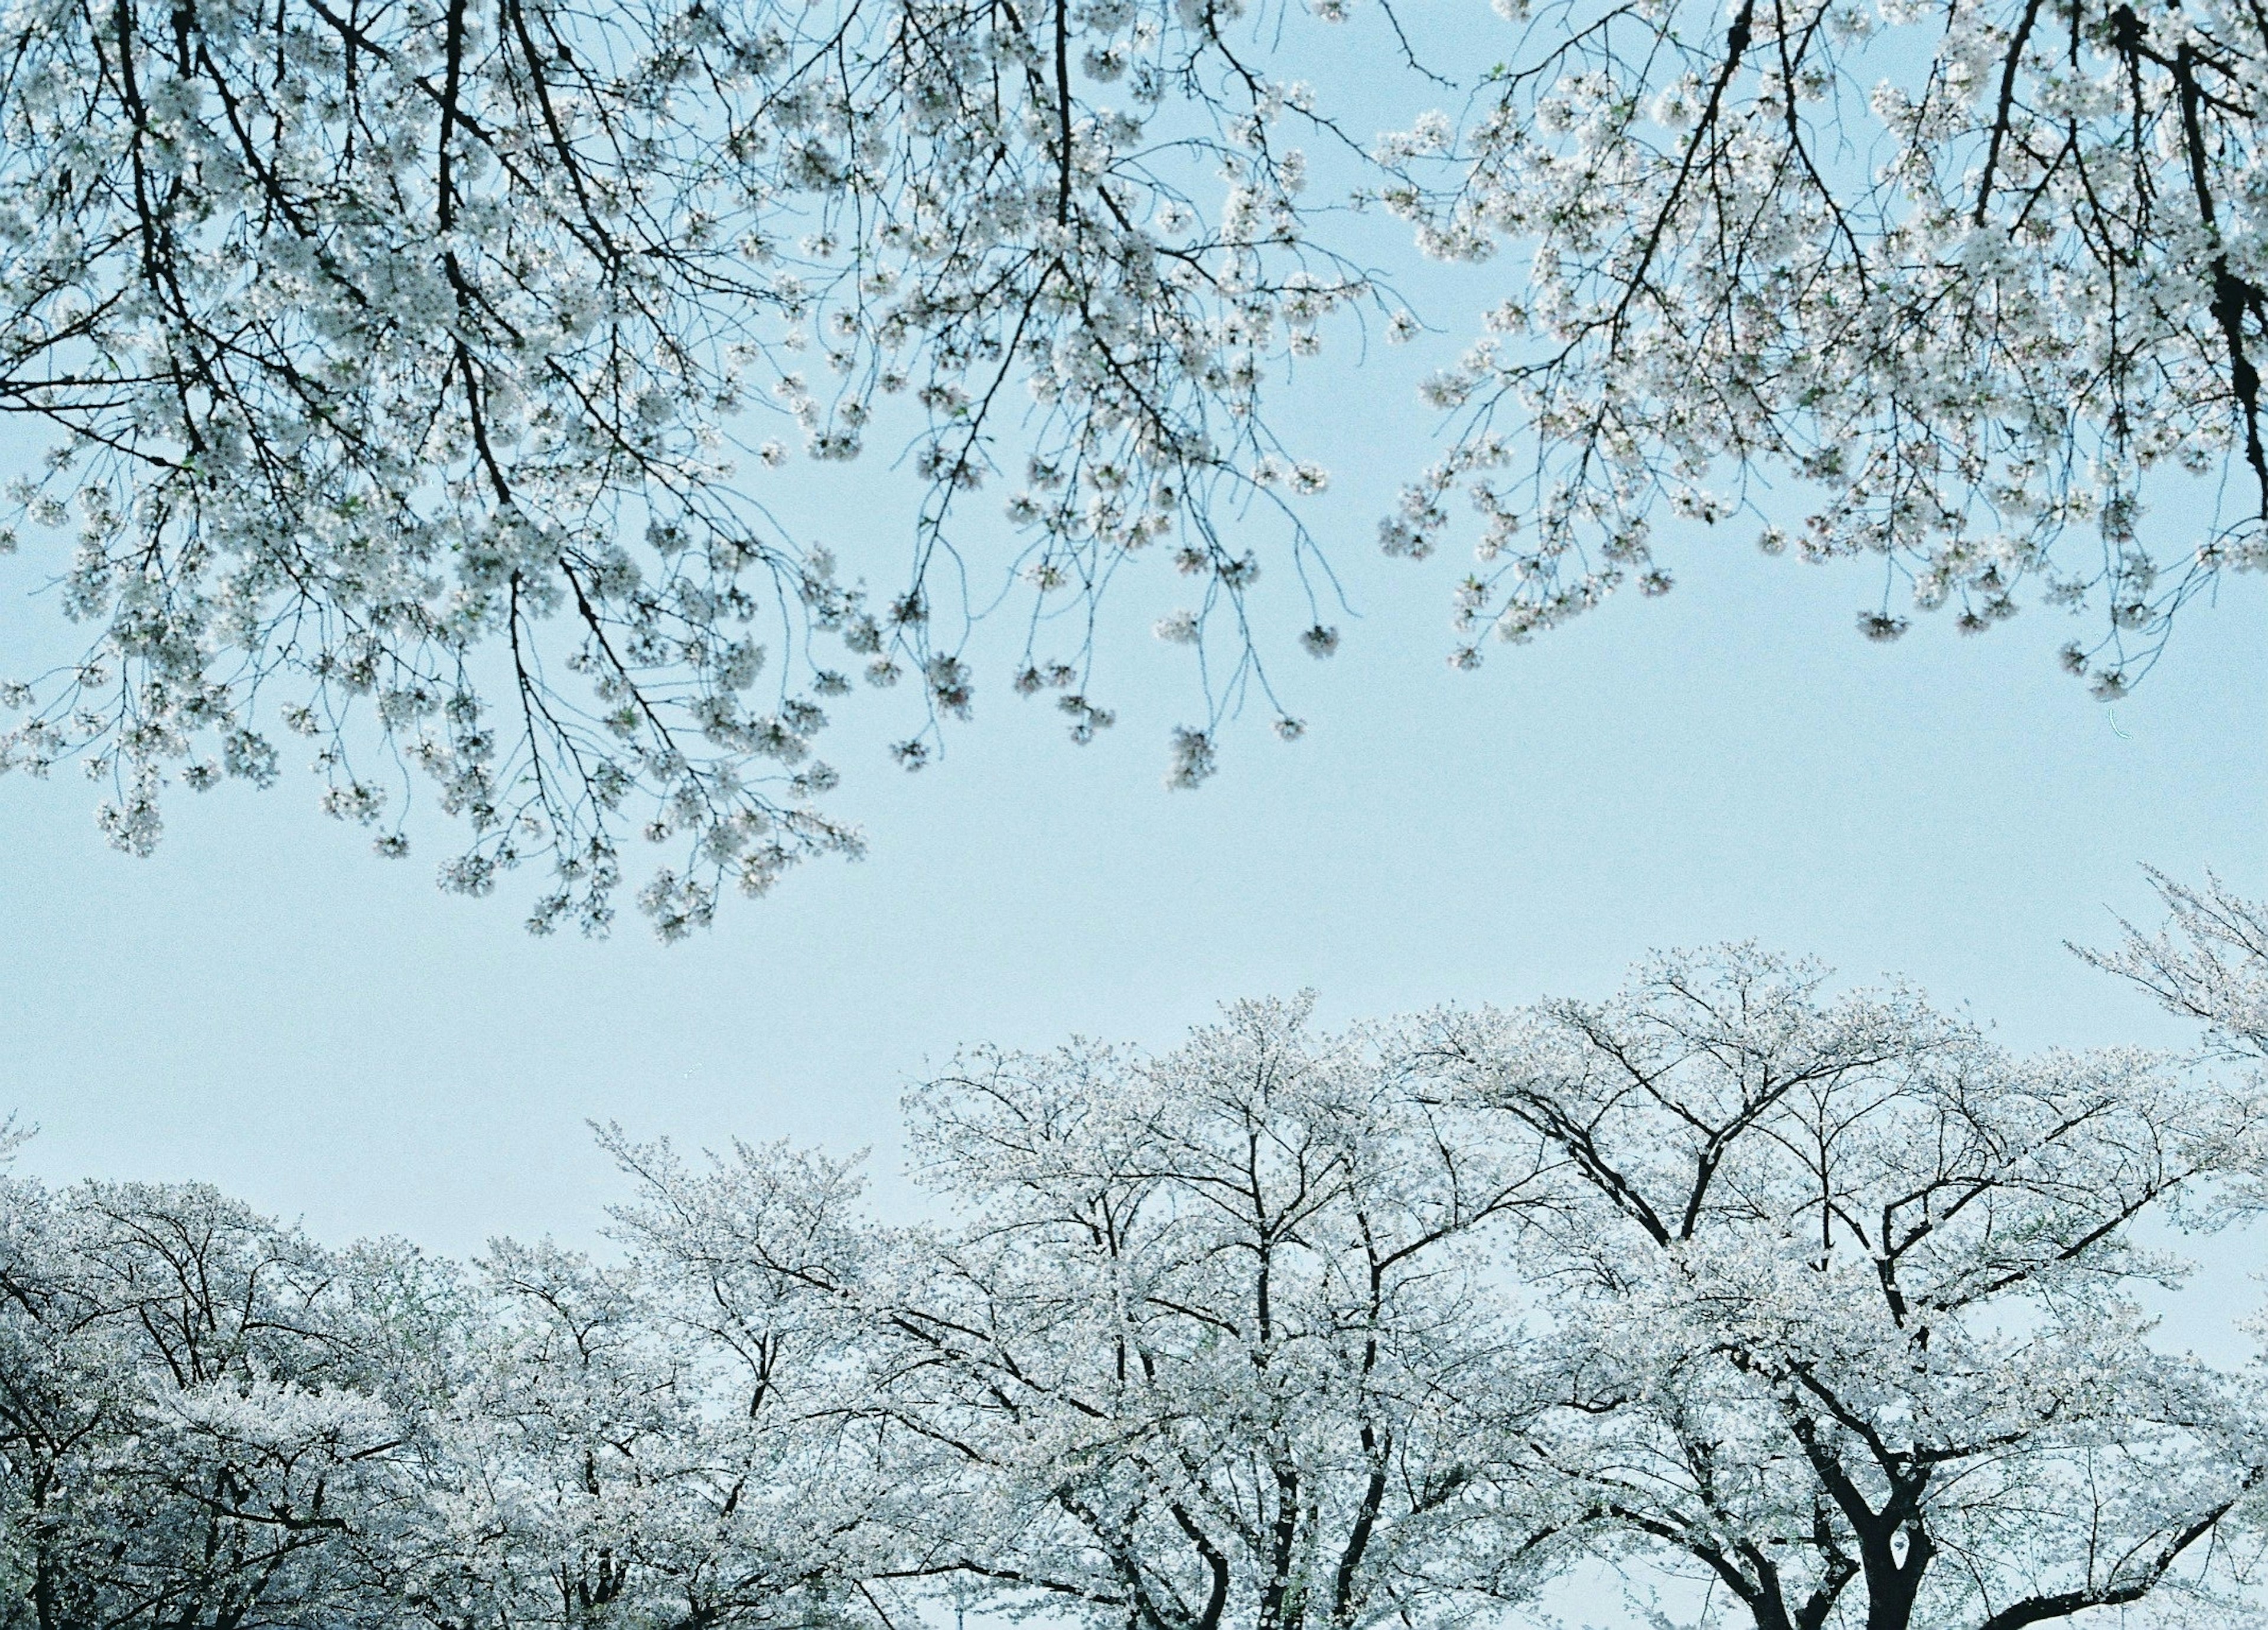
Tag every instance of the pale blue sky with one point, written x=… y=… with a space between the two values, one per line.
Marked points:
x=266 y=1005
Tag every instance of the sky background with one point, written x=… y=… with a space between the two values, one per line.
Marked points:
x=265 y=1005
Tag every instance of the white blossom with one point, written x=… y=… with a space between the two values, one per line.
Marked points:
x=1978 y=295
x=428 y=334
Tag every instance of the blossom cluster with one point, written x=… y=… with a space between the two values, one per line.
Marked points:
x=410 y=365
x=1967 y=289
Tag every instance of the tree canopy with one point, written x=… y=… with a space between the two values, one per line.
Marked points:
x=415 y=373
x=1754 y=1302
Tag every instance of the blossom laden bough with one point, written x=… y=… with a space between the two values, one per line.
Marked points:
x=414 y=369
x=403 y=360
x=1971 y=285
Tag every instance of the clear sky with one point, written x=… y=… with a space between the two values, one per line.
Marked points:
x=266 y=1005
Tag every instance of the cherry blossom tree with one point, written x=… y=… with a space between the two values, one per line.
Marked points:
x=1206 y=1342
x=209 y=1422
x=1851 y=1300
x=601 y=1457
x=1821 y=1310
x=184 y=1433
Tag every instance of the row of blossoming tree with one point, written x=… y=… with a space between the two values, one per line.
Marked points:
x=413 y=373
x=1762 y=1304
